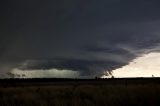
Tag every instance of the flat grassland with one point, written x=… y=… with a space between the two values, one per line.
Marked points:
x=97 y=92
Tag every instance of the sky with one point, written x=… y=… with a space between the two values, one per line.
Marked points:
x=76 y=38
x=144 y=66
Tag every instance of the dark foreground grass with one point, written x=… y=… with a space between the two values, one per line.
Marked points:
x=82 y=95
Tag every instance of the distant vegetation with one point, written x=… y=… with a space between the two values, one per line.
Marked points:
x=123 y=94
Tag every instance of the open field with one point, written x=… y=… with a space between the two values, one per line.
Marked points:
x=80 y=92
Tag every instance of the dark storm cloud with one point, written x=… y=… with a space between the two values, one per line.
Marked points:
x=80 y=35
x=85 y=67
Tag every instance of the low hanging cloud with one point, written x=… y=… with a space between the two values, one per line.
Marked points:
x=97 y=59
x=84 y=67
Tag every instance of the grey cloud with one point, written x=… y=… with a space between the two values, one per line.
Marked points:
x=80 y=35
x=85 y=67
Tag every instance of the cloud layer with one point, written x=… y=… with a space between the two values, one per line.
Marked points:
x=79 y=35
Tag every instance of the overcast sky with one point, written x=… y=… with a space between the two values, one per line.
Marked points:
x=84 y=36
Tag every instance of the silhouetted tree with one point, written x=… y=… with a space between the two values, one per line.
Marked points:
x=96 y=77
x=11 y=75
x=23 y=75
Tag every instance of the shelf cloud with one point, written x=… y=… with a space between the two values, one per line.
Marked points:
x=79 y=35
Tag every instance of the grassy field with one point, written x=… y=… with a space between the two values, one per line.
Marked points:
x=81 y=95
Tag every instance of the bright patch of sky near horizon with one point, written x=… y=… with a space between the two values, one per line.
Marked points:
x=52 y=73
x=144 y=66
